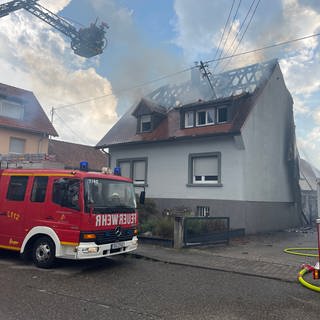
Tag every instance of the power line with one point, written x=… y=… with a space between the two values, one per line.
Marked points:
x=68 y=127
x=238 y=32
x=266 y=47
x=230 y=28
x=253 y=13
x=188 y=69
x=127 y=89
x=225 y=28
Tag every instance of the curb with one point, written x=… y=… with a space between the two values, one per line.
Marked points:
x=258 y=269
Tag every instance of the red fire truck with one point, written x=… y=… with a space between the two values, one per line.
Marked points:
x=48 y=214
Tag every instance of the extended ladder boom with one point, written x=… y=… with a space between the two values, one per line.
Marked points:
x=86 y=42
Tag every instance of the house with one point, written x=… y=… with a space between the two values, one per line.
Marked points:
x=224 y=149
x=308 y=186
x=71 y=154
x=24 y=136
x=24 y=126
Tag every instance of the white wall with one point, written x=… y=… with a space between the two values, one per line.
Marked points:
x=168 y=168
x=265 y=140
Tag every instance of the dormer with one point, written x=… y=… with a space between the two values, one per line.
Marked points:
x=148 y=114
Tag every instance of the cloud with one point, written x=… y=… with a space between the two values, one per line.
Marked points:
x=36 y=57
x=55 y=6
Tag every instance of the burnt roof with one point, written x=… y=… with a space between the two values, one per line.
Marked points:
x=35 y=120
x=71 y=154
x=243 y=86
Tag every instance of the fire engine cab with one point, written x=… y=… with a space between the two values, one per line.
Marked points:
x=48 y=214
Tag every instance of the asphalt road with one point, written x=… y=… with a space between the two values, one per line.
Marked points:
x=129 y=288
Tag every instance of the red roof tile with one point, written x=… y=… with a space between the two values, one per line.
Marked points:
x=71 y=154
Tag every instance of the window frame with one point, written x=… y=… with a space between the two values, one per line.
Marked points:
x=142 y=122
x=207 y=123
x=39 y=189
x=131 y=162
x=202 y=182
x=12 y=195
x=7 y=104
x=185 y=119
x=220 y=108
x=11 y=139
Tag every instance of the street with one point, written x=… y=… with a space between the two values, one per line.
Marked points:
x=130 y=288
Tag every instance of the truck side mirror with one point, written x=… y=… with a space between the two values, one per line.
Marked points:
x=142 y=197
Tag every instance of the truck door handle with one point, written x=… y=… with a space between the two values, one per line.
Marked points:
x=3 y=213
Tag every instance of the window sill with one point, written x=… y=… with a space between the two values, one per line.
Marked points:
x=204 y=185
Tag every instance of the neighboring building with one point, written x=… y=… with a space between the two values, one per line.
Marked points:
x=24 y=136
x=229 y=151
x=24 y=127
x=71 y=154
x=308 y=185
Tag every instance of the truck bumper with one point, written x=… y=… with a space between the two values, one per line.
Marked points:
x=90 y=250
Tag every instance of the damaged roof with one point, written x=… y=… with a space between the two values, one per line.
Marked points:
x=34 y=119
x=237 y=88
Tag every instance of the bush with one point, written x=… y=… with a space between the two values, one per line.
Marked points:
x=151 y=221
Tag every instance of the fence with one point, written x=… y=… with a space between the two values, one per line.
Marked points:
x=193 y=231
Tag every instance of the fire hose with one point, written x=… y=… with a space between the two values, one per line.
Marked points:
x=305 y=267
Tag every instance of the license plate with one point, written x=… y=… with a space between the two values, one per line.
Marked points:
x=117 y=245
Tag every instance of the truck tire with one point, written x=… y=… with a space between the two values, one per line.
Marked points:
x=43 y=253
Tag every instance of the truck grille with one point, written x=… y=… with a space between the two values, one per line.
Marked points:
x=110 y=236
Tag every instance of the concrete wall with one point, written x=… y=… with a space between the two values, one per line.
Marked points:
x=253 y=216
x=35 y=143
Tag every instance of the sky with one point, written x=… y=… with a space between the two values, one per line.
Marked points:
x=149 y=42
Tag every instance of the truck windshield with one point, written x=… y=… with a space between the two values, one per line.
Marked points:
x=103 y=195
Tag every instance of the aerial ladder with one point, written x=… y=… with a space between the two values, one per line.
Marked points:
x=85 y=42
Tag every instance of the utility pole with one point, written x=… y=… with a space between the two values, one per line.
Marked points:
x=203 y=67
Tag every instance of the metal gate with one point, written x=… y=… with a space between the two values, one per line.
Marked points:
x=206 y=230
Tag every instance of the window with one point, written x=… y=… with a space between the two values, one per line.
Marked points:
x=222 y=114
x=104 y=195
x=205 y=117
x=205 y=169
x=125 y=169
x=11 y=109
x=145 y=123
x=203 y=211
x=189 y=119
x=135 y=169
x=17 y=188
x=139 y=172
x=39 y=189
x=17 y=145
x=66 y=192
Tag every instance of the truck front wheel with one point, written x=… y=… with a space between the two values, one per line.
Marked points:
x=43 y=253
